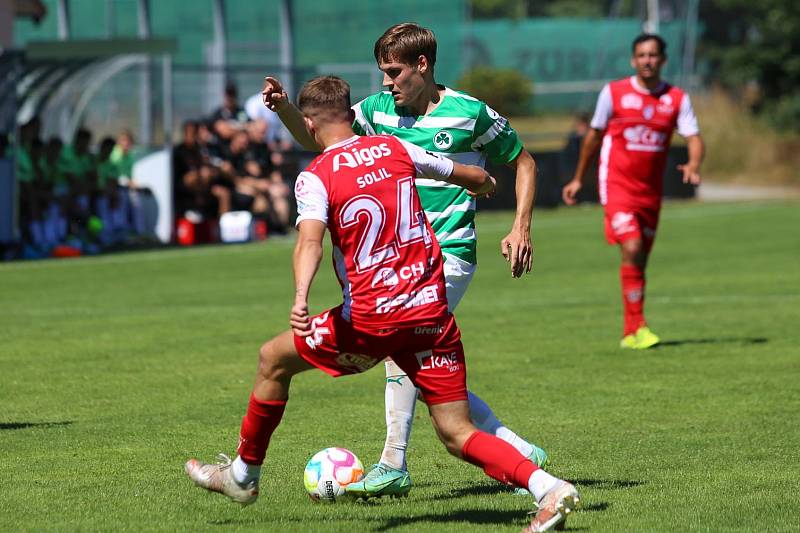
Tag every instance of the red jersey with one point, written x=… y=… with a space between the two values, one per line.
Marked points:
x=638 y=128
x=387 y=260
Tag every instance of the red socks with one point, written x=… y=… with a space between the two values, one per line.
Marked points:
x=632 y=278
x=257 y=427
x=499 y=459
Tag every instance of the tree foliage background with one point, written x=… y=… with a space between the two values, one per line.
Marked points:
x=751 y=48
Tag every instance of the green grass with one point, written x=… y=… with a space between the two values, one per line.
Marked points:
x=116 y=369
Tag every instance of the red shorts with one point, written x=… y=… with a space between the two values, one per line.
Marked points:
x=625 y=223
x=432 y=354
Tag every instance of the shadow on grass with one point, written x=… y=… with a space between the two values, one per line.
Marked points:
x=24 y=425
x=481 y=489
x=723 y=340
x=478 y=517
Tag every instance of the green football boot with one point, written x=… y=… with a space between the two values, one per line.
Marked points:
x=538 y=456
x=645 y=338
x=381 y=480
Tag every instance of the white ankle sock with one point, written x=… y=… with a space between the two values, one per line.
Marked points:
x=400 y=402
x=244 y=473
x=540 y=484
x=485 y=420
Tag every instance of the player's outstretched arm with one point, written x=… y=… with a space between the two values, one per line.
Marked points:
x=473 y=178
x=276 y=99
x=697 y=151
x=306 y=260
x=589 y=147
x=435 y=166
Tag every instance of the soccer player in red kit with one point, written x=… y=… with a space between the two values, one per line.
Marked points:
x=635 y=118
x=390 y=268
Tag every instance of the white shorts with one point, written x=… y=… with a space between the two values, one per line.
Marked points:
x=457 y=275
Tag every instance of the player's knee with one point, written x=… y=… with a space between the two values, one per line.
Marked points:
x=633 y=252
x=270 y=363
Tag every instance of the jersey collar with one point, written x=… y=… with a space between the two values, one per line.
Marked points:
x=341 y=143
x=644 y=90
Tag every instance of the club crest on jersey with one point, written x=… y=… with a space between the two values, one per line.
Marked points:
x=648 y=112
x=443 y=140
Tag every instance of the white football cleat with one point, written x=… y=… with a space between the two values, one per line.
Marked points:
x=219 y=478
x=554 y=507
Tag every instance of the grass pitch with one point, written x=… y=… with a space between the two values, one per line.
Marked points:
x=116 y=369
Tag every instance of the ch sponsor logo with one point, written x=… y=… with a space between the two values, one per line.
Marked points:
x=361 y=156
x=643 y=139
x=385 y=277
x=428 y=361
x=424 y=296
x=357 y=361
x=665 y=99
x=319 y=331
x=622 y=222
x=631 y=101
x=443 y=140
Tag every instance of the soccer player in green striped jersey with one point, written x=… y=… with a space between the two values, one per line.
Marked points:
x=415 y=108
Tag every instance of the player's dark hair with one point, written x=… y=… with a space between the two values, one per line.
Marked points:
x=405 y=43
x=644 y=37
x=325 y=95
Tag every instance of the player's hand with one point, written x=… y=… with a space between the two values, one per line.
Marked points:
x=491 y=182
x=690 y=174
x=299 y=320
x=518 y=250
x=570 y=191
x=273 y=95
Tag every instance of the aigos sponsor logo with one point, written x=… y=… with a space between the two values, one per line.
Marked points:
x=428 y=361
x=425 y=296
x=361 y=156
x=644 y=139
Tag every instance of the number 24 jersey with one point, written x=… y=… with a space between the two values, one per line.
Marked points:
x=386 y=258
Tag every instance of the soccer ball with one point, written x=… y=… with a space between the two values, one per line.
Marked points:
x=329 y=472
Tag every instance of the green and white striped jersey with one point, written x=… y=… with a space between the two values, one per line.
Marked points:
x=462 y=128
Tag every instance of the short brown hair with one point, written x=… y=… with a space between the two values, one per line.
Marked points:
x=405 y=43
x=327 y=96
